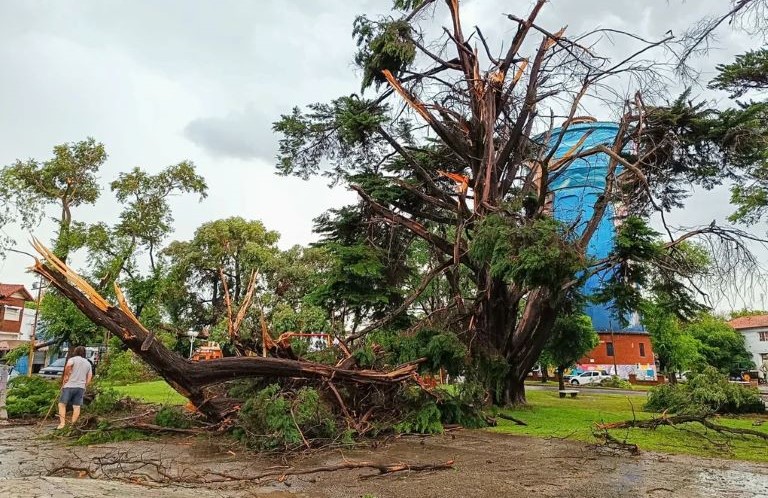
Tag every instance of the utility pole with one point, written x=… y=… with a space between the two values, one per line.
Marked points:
x=34 y=327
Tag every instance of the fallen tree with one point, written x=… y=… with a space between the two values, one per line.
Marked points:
x=191 y=378
x=674 y=420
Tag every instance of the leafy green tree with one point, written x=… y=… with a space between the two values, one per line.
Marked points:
x=194 y=294
x=463 y=159
x=572 y=337
x=720 y=345
x=66 y=181
x=675 y=348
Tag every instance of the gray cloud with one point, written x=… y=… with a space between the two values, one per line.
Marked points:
x=242 y=134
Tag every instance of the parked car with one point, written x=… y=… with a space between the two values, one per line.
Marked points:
x=591 y=377
x=54 y=370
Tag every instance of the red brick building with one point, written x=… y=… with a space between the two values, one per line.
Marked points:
x=12 y=300
x=627 y=351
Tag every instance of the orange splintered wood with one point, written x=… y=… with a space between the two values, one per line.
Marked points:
x=409 y=99
x=552 y=40
x=73 y=277
x=520 y=71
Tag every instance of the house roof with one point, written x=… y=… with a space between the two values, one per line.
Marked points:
x=8 y=290
x=749 y=322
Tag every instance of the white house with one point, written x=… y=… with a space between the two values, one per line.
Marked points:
x=755 y=332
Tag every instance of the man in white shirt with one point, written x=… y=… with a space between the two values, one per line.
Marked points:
x=77 y=375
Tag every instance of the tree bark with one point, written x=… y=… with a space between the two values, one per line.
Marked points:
x=560 y=379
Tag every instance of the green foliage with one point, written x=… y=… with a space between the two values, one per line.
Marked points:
x=274 y=419
x=707 y=392
x=385 y=45
x=107 y=400
x=617 y=382
x=749 y=71
x=341 y=130
x=105 y=433
x=535 y=254
x=173 y=417
x=675 y=349
x=192 y=292
x=464 y=406
x=490 y=370
x=12 y=356
x=571 y=338
x=635 y=248
x=442 y=349
x=30 y=396
x=67 y=180
x=420 y=414
x=720 y=345
x=63 y=321
x=122 y=367
x=365 y=357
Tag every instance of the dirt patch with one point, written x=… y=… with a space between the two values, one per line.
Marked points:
x=487 y=464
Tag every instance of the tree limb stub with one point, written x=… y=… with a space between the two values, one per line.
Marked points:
x=189 y=377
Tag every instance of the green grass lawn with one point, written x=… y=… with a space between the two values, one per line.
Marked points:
x=157 y=391
x=548 y=415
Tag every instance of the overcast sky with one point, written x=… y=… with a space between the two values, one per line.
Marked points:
x=163 y=81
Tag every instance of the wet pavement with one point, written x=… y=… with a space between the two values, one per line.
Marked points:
x=486 y=465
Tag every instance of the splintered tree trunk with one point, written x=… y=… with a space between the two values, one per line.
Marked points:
x=187 y=377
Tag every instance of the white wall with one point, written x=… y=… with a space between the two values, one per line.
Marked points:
x=755 y=345
x=27 y=321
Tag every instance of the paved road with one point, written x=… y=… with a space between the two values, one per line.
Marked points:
x=586 y=390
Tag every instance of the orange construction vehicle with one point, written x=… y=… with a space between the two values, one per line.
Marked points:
x=209 y=351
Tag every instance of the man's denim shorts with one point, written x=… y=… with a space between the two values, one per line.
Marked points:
x=72 y=396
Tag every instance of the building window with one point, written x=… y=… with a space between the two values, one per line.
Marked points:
x=763 y=336
x=642 y=349
x=12 y=314
x=609 y=348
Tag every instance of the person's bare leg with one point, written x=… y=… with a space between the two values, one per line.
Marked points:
x=62 y=415
x=75 y=413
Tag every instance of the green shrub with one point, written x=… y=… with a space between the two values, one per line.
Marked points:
x=616 y=381
x=464 y=407
x=107 y=400
x=418 y=413
x=276 y=419
x=173 y=417
x=122 y=367
x=30 y=396
x=424 y=420
x=707 y=392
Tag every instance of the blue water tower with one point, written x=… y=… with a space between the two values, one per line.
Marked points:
x=575 y=191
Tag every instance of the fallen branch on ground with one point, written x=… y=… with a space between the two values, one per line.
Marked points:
x=512 y=419
x=682 y=419
x=123 y=467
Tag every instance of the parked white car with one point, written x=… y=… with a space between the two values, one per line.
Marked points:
x=591 y=377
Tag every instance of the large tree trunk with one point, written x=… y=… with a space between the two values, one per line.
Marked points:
x=519 y=341
x=560 y=379
x=187 y=377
